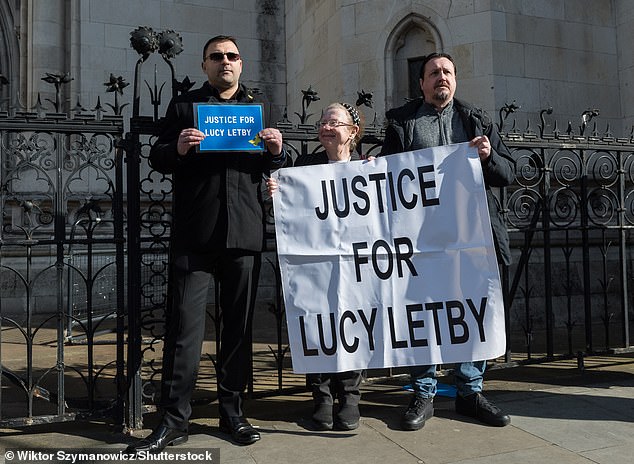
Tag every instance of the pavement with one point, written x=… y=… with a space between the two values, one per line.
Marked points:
x=560 y=412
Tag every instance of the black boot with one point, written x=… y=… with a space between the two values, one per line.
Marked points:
x=322 y=415
x=348 y=415
x=348 y=394
x=319 y=384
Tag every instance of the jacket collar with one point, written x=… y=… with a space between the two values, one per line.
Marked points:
x=409 y=109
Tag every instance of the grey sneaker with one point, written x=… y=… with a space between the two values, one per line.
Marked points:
x=419 y=410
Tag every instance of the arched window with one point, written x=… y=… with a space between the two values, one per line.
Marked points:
x=412 y=39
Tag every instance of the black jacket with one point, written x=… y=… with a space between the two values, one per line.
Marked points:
x=498 y=170
x=312 y=159
x=217 y=201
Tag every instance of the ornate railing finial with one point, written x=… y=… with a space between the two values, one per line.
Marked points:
x=116 y=85
x=309 y=96
x=586 y=117
x=542 y=118
x=144 y=41
x=365 y=99
x=170 y=44
x=506 y=110
x=57 y=80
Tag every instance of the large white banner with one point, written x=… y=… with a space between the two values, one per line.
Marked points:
x=389 y=262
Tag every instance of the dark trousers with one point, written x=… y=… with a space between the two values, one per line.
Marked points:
x=237 y=274
x=342 y=386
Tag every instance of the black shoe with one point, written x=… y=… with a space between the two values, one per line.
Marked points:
x=347 y=417
x=478 y=407
x=419 y=410
x=156 y=442
x=322 y=416
x=241 y=431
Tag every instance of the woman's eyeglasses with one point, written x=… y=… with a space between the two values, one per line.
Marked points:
x=332 y=123
x=219 y=56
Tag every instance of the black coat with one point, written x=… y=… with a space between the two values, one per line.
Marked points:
x=312 y=159
x=217 y=201
x=498 y=170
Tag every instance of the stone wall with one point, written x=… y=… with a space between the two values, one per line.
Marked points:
x=91 y=39
x=571 y=56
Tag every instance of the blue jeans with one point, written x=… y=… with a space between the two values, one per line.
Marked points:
x=468 y=378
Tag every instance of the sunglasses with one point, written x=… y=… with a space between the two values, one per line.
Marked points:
x=219 y=56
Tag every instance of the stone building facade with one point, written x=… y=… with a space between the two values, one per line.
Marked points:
x=571 y=55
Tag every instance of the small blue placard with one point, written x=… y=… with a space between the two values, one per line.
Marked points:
x=230 y=126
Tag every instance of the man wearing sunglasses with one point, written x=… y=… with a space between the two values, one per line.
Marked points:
x=217 y=230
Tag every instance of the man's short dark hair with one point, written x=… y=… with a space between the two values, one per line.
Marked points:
x=432 y=56
x=219 y=38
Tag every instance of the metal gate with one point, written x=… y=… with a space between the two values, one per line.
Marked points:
x=61 y=190
x=571 y=216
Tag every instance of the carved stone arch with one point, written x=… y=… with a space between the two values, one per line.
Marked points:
x=412 y=38
x=9 y=53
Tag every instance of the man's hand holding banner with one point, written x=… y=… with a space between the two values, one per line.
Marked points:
x=389 y=262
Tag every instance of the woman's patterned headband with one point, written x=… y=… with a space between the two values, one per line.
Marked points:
x=353 y=112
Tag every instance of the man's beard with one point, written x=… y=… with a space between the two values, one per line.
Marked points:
x=441 y=95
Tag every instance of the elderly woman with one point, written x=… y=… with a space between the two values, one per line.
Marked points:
x=340 y=129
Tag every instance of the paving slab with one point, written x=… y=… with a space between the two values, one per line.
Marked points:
x=559 y=414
